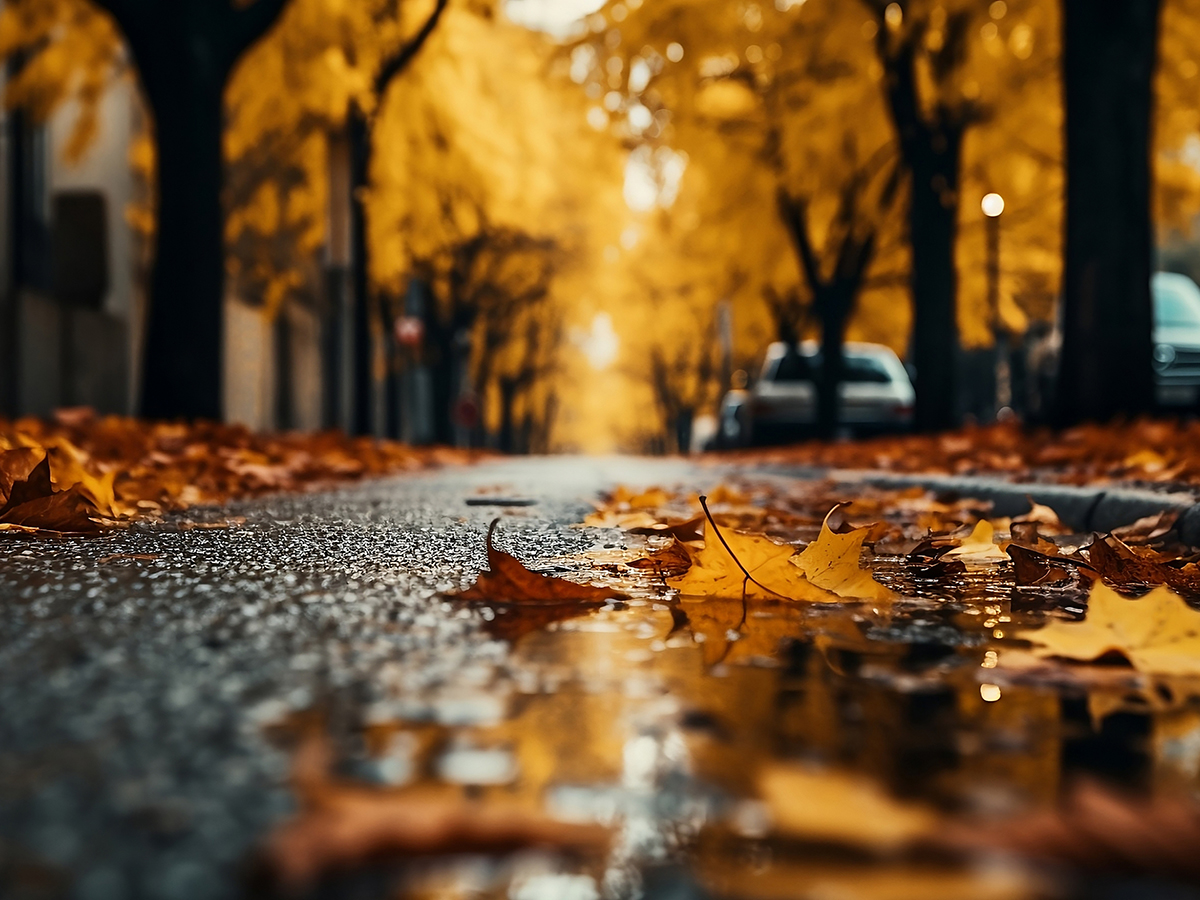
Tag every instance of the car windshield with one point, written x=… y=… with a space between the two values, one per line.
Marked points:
x=1176 y=306
x=858 y=369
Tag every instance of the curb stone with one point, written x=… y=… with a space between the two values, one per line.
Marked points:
x=1081 y=508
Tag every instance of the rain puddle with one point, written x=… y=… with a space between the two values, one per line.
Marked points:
x=767 y=749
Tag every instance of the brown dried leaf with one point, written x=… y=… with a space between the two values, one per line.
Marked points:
x=525 y=601
x=67 y=512
x=670 y=562
x=1123 y=567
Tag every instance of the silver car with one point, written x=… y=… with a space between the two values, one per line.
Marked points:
x=876 y=395
x=1176 y=339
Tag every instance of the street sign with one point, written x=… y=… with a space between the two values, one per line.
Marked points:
x=410 y=331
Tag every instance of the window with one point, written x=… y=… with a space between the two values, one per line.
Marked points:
x=856 y=370
x=1176 y=306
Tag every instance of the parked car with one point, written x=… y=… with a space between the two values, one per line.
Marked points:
x=1176 y=339
x=876 y=396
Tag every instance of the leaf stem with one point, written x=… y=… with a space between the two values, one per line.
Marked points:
x=732 y=555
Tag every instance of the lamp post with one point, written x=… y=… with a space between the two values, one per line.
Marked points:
x=993 y=206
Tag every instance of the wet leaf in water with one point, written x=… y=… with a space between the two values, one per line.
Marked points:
x=840 y=807
x=509 y=581
x=715 y=571
x=832 y=562
x=1031 y=567
x=979 y=546
x=1158 y=633
x=524 y=601
x=670 y=562
x=1120 y=565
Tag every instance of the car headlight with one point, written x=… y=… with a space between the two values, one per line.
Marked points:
x=1164 y=355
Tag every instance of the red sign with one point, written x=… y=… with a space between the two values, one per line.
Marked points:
x=410 y=331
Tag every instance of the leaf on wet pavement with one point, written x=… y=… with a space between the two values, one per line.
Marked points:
x=525 y=601
x=715 y=573
x=669 y=562
x=688 y=530
x=130 y=469
x=1032 y=567
x=342 y=825
x=1121 y=565
x=979 y=546
x=833 y=562
x=1158 y=633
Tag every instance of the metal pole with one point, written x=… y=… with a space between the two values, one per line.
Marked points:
x=1003 y=392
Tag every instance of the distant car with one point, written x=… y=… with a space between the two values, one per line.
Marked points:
x=1176 y=339
x=876 y=396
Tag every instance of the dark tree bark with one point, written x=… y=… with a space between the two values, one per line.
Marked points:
x=369 y=311
x=184 y=51
x=834 y=295
x=363 y=369
x=1109 y=56
x=931 y=149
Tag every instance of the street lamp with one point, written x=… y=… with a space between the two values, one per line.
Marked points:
x=992 y=206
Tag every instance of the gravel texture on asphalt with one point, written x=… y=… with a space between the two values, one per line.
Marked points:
x=134 y=692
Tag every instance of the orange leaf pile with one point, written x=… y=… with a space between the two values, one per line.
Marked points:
x=29 y=503
x=123 y=468
x=1162 y=451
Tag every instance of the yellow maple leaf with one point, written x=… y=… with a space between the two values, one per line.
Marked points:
x=832 y=562
x=980 y=545
x=715 y=573
x=840 y=807
x=1158 y=633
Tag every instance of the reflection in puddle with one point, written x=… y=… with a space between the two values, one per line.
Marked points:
x=672 y=725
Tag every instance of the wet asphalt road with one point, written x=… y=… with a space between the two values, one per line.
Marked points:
x=134 y=692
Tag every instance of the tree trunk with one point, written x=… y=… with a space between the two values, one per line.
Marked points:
x=182 y=370
x=835 y=312
x=933 y=227
x=362 y=363
x=1109 y=56
x=508 y=424
x=442 y=372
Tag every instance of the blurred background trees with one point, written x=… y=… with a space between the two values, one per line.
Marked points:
x=568 y=225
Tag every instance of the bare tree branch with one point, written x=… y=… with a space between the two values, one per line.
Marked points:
x=406 y=54
x=249 y=23
x=794 y=211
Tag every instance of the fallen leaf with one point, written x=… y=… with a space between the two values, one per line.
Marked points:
x=526 y=601
x=980 y=545
x=714 y=572
x=1149 y=528
x=1040 y=514
x=840 y=807
x=687 y=530
x=34 y=486
x=1032 y=567
x=1158 y=633
x=1121 y=565
x=669 y=562
x=832 y=562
